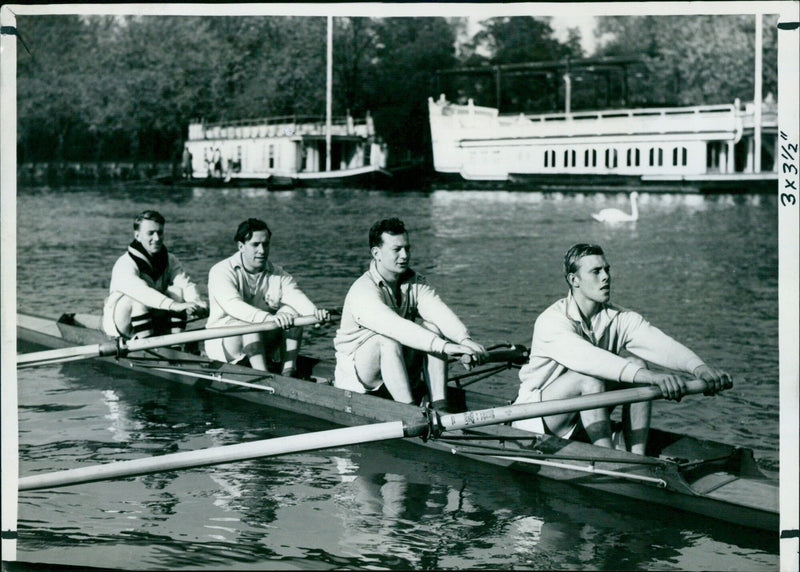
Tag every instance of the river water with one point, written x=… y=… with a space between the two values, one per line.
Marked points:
x=702 y=268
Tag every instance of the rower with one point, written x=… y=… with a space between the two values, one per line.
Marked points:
x=378 y=341
x=576 y=350
x=246 y=288
x=150 y=294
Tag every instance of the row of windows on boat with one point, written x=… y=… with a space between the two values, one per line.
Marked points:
x=633 y=157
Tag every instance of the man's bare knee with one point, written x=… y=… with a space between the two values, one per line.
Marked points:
x=589 y=385
x=388 y=345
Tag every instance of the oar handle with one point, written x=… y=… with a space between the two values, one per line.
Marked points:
x=517 y=354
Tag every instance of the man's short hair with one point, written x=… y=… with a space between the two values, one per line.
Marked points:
x=155 y=216
x=248 y=227
x=575 y=253
x=390 y=225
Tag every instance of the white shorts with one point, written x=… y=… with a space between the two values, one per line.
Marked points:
x=536 y=424
x=215 y=349
x=346 y=377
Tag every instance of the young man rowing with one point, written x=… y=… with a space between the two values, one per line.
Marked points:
x=150 y=294
x=378 y=340
x=576 y=350
x=246 y=288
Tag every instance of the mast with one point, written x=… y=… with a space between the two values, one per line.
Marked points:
x=329 y=96
x=757 y=96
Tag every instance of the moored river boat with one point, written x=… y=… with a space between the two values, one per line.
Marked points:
x=700 y=148
x=283 y=152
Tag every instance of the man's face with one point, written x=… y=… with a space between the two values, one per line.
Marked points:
x=255 y=252
x=394 y=255
x=150 y=235
x=593 y=278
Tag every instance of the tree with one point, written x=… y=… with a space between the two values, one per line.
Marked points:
x=51 y=88
x=408 y=51
x=512 y=40
x=692 y=60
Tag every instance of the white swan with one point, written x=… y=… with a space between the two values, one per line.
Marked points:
x=616 y=215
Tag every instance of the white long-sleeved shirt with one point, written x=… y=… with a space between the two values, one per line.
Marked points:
x=370 y=308
x=127 y=280
x=561 y=342
x=237 y=296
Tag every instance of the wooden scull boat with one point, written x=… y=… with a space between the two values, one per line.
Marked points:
x=702 y=477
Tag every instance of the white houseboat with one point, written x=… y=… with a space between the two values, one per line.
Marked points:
x=701 y=147
x=283 y=152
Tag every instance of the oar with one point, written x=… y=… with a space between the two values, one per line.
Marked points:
x=122 y=347
x=423 y=426
x=517 y=354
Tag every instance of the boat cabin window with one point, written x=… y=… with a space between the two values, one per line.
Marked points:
x=656 y=156
x=590 y=158
x=272 y=156
x=611 y=158
x=683 y=156
x=633 y=158
x=549 y=158
x=569 y=157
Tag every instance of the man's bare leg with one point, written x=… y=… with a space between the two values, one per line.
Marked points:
x=253 y=347
x=596 y=422
x=635 y=417
x=290 y=348
x=436 y=370
x=382 y=358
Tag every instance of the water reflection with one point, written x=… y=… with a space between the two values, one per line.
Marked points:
x=703 y=268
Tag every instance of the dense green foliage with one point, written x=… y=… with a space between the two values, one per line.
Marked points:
x=693 y=60
x=126 y=88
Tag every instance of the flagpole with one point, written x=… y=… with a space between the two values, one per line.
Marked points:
x=757 y=96
x=329 y=96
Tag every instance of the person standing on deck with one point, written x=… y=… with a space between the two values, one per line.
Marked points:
x=378 y=340
x=247 y=288
x=150 y=294
x=576 y=350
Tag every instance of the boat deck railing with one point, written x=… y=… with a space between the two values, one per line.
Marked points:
x=680 y=113
x=710 y=119
x=288 y=125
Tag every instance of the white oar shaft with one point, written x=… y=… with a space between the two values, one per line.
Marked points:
x=496 y=415
x=111 y=348
x=217 y=455
x=65 y=354
x=208 y=334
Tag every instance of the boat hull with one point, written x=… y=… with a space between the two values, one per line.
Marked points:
x=702 y=477
x=363 y=176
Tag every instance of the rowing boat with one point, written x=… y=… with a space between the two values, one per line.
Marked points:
x=699 y=476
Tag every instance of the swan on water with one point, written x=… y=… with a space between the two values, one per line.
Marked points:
x=616 y=215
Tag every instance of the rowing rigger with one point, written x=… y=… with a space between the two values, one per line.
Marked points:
x=431 y=425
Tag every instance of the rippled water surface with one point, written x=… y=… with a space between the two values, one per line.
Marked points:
x=704 y=269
